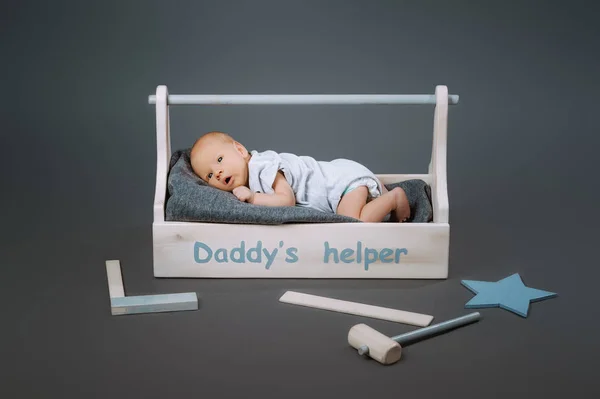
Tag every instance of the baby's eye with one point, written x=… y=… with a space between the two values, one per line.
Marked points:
x=220 y=159
x=209 y=175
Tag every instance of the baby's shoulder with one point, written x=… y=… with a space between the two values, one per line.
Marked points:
x=264 y=154
x=273 y=156
x=263 y=157
x=267 y=159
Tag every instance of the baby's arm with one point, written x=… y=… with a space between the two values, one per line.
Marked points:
x=284 y=195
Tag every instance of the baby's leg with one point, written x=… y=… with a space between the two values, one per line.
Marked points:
x=402 y=211
x=354 y=204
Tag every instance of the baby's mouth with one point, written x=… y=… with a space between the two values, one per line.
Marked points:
x=227 y=180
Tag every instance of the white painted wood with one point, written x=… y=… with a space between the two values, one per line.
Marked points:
x=409 y=250
x=115 y=279
x=121 y=304
x=426 y=245
x=154 y=303
x=163 y=152
x=231 y=99
x=439 y=189
x=381 y=347
x=355 y=308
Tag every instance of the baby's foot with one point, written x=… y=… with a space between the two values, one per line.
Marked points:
x=402 y=211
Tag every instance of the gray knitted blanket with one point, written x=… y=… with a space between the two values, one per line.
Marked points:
x=189 y=199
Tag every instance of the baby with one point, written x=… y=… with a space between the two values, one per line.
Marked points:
x=268 y=178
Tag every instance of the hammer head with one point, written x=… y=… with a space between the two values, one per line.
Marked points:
x=380 y=347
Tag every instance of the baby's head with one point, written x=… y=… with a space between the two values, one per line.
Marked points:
x=220 y=161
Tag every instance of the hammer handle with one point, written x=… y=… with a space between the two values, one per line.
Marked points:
x=436 y=328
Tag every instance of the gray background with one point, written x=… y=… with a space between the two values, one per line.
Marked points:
x=78 y=170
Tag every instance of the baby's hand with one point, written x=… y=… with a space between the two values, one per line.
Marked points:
x=243 y=194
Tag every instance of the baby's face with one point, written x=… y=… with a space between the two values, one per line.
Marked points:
x=221 y=164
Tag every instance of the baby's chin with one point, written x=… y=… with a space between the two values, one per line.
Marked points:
x=233 y=187
x=229 y=189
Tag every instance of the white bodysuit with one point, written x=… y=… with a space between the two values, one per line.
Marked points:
x=316 y=184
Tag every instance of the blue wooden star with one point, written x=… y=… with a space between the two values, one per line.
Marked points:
x=509 y=293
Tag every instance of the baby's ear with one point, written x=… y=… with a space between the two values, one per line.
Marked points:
x=240 y=148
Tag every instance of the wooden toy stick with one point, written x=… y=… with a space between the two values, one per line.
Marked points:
x=120 y=304
x=355 y=308
x=388 y=350
x=115 y=279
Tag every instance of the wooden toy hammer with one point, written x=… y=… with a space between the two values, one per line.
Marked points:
x=386 y=350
